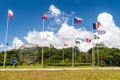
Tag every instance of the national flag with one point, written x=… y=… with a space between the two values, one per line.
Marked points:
x=88 y=40
x=77 y=20
x=36 y=45
x=77 y=42
x=96 y=37
x=10 y=14
x=101 y=32
x=96 y=25
x=44 y=16
x=65 y=44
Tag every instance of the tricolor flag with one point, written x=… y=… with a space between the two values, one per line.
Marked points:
x=101 y=32
x=65 y=44
x=44 y=16
x=77 y=20
x=77 y=42
x=10 y=14
x=96 y=25
x=88 y=40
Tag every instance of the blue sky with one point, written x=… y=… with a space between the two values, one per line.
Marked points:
x=27 y=15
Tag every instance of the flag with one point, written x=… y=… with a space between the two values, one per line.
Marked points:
x=101 y=32
x=44 y=16
x=77 y=20
x=36 y=45
x=10 y=14
x=65 y=44
x=96 y=37
x=96 y=25
x=77 y=42
x=88 y=40
x=51 y=46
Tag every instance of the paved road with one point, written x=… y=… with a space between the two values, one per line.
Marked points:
x=51 y=69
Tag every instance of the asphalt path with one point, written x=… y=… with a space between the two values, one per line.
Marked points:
x=57 y=69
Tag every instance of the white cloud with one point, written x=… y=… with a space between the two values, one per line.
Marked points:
x=1 y=45
x=36 y=37
x=67 y=33
x=59 y=16
x=112 y=36
x=51 y=28
x=54 y=11
x=17 y=43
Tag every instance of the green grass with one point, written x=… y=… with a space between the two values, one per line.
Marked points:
x=38 y=66
x=61 y=75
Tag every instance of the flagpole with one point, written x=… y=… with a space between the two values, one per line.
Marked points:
x=93 y=55
x=75 y=55
x=63 y=52
x=86 y=53
x=42 y=45
x=49 y=52
x=73 y=45
x=97 y=53
x=5 y=52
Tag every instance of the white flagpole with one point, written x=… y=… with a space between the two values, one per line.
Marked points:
x=49 y=51
x=73 y=44
x=93 y=55
x=86 y=52
x=63 y=52
x=97 y=53
x=42 y=45
x=5 y=52
x=75 y=53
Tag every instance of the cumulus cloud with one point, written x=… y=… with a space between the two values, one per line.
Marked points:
x=1 y=45
x=51 y=28
x=17 y=43
x=36 y=37
x=65 y=34
x=111 y=38
x=68 y=34
x=59 y=16
x=54 y=11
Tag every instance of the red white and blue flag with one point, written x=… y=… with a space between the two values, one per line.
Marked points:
x=101 y=32
x=10 y=14
x=77 y=20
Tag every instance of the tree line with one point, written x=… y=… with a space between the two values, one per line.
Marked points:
x=60 y=57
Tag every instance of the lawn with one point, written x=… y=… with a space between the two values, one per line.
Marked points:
x=61 y=75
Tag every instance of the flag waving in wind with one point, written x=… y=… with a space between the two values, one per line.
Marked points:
x=77 y=42
x=44 y=16
x=77 y=20
x=88 y=40
x=101 y=32
x=65 y=44
x=10 y=14
x=96 y=25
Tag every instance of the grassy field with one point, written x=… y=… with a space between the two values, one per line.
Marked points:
x=61 y=75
